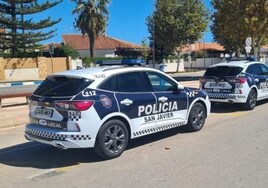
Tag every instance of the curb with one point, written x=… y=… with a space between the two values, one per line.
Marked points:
x=17 y=83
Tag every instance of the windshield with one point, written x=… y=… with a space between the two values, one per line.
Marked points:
x=62 y=86
x=222 y=71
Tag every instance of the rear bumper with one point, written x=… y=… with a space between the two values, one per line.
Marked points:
x=58 y=138
x=227 y=98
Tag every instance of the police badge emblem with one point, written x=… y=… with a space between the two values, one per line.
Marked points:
x=106 y=102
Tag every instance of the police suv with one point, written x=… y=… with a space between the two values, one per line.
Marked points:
x=238 y=81
x=103 y=107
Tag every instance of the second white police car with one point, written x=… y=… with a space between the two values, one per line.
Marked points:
x=236 y=81
x=103 y=107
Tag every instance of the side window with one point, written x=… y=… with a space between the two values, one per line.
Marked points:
x=254 y=69
x=131 y=82
x=264 y=69
x=160 y=82
x=108 y=84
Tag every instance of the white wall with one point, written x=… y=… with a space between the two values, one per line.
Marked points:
x=22 y=74
x=76 y=63
x=202 y=63
x=98 y=53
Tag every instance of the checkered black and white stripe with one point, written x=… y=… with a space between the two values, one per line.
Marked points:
x=80 y=137
x=161 y=128
x=56 y=136
x=191 y=94
x=44 y=134
x=74 y=116
x=226 y=96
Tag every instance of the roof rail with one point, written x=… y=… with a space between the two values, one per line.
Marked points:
x=128 y=62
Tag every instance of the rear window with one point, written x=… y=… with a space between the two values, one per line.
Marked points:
x=222 y=71
x=62 y=86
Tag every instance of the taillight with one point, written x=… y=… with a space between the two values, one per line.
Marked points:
x=237 y=80
x=242 y=80
x=73 y=105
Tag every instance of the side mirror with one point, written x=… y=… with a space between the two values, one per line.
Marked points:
x=178 y=89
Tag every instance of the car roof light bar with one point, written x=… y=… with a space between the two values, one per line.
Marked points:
x=128 y=62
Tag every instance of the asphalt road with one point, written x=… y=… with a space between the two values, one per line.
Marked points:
x=230 y=151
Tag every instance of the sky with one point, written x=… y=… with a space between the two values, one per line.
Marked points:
x=127 y=20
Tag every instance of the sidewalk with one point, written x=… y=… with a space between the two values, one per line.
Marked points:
x=14 y=111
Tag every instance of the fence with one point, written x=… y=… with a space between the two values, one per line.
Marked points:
x=32 y=68
x=174 y=66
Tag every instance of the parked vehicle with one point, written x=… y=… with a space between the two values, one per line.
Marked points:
x=239 y=81
x=103 y=107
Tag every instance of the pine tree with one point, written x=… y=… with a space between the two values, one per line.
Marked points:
x=19 y=33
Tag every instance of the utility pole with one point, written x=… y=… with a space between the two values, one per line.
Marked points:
x=153 y=34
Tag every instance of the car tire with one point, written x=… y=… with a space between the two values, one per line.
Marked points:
x=251 y=100
x=112 y=139
x=197 y=117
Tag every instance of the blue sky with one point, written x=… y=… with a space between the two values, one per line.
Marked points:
x=127 y=20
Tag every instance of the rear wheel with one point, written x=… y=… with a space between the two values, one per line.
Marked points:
x=251 y=100
x=196 y=118
x=112 y=139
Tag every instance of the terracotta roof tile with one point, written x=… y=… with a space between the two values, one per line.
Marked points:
x=199 y=46
x=80 y=42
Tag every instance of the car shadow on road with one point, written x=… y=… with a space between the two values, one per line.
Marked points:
x=226 y=108
x=156 y=137
x=229 y=108
x=41 y=156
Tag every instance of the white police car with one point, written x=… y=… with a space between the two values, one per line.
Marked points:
x=239 y=81
x=105 y=106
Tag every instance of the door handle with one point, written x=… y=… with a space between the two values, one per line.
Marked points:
x=126 y=102
x=256 y=80
x=162 y=99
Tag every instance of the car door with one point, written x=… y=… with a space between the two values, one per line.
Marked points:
x=136 y=100
x=172 y=103
x=258 y=77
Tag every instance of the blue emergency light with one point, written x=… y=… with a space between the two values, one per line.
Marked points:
x=129 y=62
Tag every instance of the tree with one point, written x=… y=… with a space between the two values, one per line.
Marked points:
x=65 y=51
x=176 y=23
x=92 y=18
x=144 y=49
x=235 y=20
x=21 y=33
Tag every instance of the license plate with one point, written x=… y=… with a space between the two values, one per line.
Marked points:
x=219 y=85
x=43 y=112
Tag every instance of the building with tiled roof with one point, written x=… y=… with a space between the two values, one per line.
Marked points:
x=104 y=46
x=212 y=49
x=201 y=46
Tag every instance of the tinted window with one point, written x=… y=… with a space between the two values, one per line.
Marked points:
x=62 y=86
x=222 y=71
x=160 y=82
x=264 y=69
x=254 y=69
x=131 y=82
x=108 y=84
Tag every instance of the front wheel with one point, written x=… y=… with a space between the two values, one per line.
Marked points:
x=196 y=118
x=112 y=139
x=251 y=100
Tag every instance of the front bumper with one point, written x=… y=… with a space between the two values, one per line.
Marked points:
x=58 y=138
x=227 y=98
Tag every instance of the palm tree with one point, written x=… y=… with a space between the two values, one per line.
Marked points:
x=92 y=18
